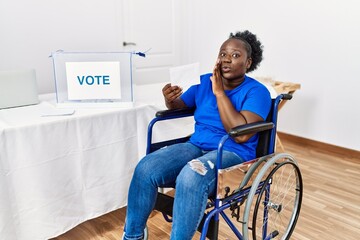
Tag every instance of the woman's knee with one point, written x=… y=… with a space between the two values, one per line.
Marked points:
x=143 y=168
x=193 y=174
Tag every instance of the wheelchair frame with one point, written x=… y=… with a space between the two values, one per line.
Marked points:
x=247 y=181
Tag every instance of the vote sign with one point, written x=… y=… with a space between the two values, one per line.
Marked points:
x=93 y=80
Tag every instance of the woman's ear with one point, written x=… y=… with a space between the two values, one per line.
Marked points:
x=248 y=63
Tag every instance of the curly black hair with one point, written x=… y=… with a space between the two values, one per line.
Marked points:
x=254 y=47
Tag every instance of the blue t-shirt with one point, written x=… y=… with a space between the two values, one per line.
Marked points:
x=250 y=95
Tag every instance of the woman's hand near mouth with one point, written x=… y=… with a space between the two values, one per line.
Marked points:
x=217 y=81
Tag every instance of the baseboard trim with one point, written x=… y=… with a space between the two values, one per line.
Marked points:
x=325 y=146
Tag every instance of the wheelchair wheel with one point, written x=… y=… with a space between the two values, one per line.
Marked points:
x=278 y=202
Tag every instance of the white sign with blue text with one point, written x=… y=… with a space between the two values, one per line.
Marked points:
x=93 y=80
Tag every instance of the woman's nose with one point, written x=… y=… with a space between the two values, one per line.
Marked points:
x=226 y=59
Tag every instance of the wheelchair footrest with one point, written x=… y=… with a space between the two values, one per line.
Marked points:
x=213 y=229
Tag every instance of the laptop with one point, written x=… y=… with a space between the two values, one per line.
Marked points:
x=18 y=88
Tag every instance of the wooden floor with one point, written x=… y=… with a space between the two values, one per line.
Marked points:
x=330 y=208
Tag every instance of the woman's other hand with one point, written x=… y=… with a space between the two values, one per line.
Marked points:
x=171 y=95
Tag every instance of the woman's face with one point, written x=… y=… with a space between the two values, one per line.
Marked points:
x=234 y=59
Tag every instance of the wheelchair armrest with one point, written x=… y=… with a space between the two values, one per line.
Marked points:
x=250 y=128
x=174 y=113
x=286 y=96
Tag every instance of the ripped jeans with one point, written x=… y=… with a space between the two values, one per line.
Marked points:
x=185 y=166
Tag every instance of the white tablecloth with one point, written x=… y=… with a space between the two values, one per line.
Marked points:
x=56 y=172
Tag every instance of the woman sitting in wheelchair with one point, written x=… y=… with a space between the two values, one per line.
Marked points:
x=224 y=99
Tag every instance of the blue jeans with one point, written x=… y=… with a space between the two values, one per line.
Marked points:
x=192 y=172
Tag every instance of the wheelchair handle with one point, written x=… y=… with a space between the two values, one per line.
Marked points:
x=251 y=128
x=286 y=96
x=175 y=113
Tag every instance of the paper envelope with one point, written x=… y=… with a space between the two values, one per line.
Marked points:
x=185 y=76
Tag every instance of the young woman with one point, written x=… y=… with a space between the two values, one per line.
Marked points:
x=224 y=99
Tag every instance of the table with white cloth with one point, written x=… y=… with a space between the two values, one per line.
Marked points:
x=59 y=171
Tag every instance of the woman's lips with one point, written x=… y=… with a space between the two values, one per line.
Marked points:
x=225 y=69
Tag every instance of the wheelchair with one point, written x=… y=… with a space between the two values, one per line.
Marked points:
x=262 y=196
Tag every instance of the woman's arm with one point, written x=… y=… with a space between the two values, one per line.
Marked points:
x=228 y=114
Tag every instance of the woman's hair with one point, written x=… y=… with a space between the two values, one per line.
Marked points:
x=253 y=46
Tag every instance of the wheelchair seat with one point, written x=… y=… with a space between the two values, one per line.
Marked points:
x=268 y=187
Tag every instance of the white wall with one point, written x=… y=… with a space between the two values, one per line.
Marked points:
x=30 y=30
x=314 y=43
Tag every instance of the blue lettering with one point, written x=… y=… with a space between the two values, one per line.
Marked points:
x=98 y=79
x=81 y=81
x=106 y=80
x=90 y=82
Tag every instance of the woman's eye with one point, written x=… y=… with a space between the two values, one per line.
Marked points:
x=233 y=55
